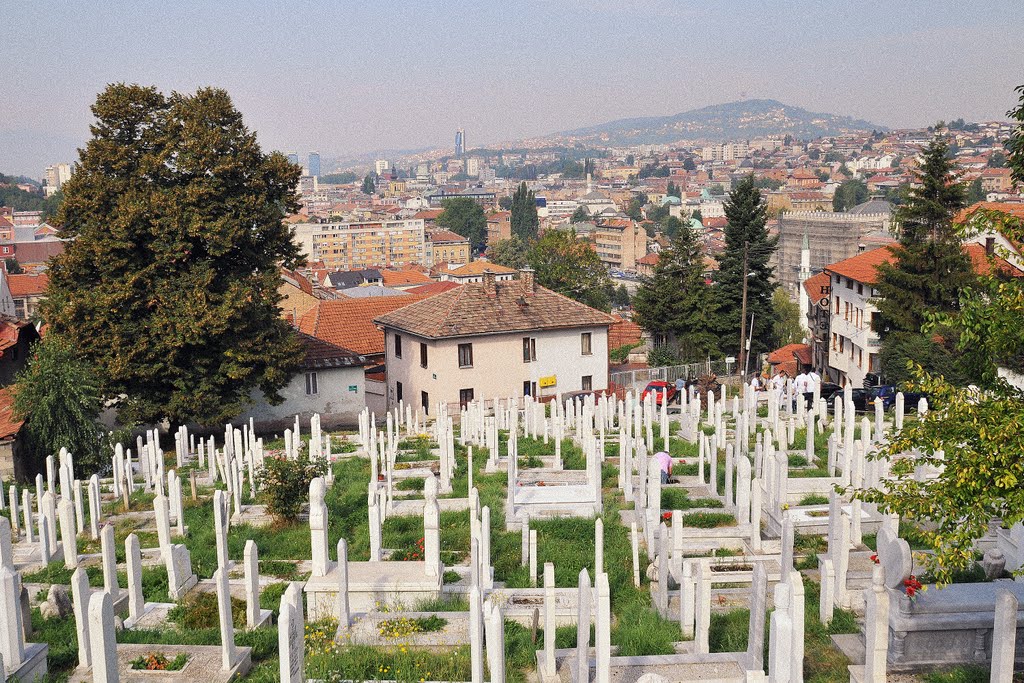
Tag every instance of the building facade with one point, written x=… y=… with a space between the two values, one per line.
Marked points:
x=493 y=339
x=854 y=346
x=620 y=243
x=357 y=246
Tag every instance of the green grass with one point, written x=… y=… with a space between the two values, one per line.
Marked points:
x=413 y=484
x=708 y=520
x=678 y=499
x=447 y=603
x=814 y=499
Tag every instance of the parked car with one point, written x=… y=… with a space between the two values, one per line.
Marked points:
x=864 y=399
x=661 y=390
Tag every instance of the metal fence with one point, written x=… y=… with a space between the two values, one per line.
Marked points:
x=638 y=379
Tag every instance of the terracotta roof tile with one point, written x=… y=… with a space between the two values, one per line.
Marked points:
x=403 y=277
x=474 y=268
x=814 y=284
x=323 y=354
x=348 y=323
x=864 y=266
x=9 y=424
x=438 y=236
x=983 y=266
x=470 y=310
x=28 y=284
x=434 y=288
x=801 y=352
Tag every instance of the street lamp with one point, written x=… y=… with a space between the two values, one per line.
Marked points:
x=744 y=343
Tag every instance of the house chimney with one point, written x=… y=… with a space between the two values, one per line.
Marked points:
x=489 y=287
x=526 y=281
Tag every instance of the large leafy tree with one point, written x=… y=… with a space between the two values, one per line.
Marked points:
x=168 y=285
x=746 y=232
x=525 y=222
x=979 y=434
x=676 y=304
x=465 y=217
x=788 y=328
x=929 y=269
x=510 y=253
x=58 y=396
x=849 y=194
x=570 y=266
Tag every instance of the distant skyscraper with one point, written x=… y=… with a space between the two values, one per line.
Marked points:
x=382 y=166
x=293 y=158
x=314 y=164
x=460 y=142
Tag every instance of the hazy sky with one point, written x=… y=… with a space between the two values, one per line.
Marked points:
x=352 y=77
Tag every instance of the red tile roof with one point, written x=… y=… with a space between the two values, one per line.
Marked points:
x=471 y=310
x=983 y=265
x=814 y=284
x=649 y=260
x=433 y=288
x=438 y=236
x=802 y=352
x=28 y=284
x=474 y=268
x=348 y=323
x=864 y=266
x=321 y=354
x=9 y=424
x=403 y=277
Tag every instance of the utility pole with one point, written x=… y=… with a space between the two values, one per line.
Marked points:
x=741 y=365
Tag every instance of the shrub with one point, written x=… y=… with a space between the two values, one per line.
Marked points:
x=285 y=484
x=200 y=610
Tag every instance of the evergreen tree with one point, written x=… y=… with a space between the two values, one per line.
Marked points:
x=369 y=186
x=929 y=268
x=746 y=230
x=569 y=266
x=168 y=285
x=525 y=222
x=676 y=304
x=465 y=217
x=580 y=215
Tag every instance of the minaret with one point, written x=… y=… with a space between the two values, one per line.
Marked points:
x=589 y=185
x=805 y=273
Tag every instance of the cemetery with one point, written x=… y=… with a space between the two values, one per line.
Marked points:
x=510 y=540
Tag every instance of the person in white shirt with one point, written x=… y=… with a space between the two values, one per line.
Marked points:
x=815 y=381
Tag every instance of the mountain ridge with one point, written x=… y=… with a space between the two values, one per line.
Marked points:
x=743 y=119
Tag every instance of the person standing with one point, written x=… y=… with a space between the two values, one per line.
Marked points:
x=665 y=463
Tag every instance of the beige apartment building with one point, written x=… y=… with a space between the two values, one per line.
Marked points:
x=620 y=243
x=357 y=246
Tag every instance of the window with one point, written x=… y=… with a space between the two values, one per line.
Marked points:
x=837 y=305
x=585 y=344
x=398 y=391
x=311 y=388
x=526 y=388
x=860 y=288
x=849 y=283
x=423 y=355
x=835 y=344
x=466 y=357
x=465 y=396
x=425 y=402
x=842 y=343
x=529 y=349
x=398 y=346
x=588 y=383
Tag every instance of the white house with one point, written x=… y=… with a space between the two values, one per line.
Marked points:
x=495 y=338
x=331 y=381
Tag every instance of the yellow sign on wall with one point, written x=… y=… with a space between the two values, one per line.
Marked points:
x=546 y=382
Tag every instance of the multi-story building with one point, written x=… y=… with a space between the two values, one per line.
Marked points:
x=314 y=164
x=381 y=166
x=493 y=338
x=817 y=311
x=293 y=158
x=55 y=176
x=460 y=142
x=472 y=168
x=854 y=346
x=354 y=246
x=831 y=237
x=620 y=243
x=445 y=246
x=499 y=226
x=484 y=198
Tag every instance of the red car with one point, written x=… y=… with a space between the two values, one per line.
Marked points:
x=660 y=390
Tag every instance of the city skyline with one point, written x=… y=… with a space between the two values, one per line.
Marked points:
x=346 y=93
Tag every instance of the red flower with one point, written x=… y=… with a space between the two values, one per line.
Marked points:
x=874 y=558
x=666 y=516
